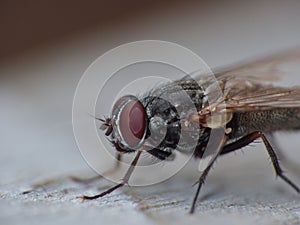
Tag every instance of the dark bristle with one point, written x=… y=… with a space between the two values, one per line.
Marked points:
x=102 y=120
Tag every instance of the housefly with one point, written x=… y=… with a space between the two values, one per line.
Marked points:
x=250 y=108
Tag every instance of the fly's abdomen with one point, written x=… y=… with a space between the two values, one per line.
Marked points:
x=280 y=119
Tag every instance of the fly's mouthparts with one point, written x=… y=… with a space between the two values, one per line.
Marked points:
x=106 y=125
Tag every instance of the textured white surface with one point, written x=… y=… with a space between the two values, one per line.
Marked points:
x=241 y=189
x=37 y=143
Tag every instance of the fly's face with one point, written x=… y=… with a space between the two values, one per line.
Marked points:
x=128 y=124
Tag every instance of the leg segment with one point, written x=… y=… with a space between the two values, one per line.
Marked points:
x=124 y=180
x=252 y=137
x=244 y=141
x=205 y=172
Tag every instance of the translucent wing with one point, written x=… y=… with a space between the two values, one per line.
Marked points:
x=244 y=89
x=265 y=69
x=260 y=98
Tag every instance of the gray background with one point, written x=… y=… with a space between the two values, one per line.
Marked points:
x=37 y=143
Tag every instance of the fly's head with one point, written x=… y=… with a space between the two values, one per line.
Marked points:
x=128 y=124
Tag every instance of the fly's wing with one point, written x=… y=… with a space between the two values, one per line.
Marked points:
x=261 y=98
x=265 y=69
x=244 y=89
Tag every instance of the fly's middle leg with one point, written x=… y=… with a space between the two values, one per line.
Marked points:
x=206 y=171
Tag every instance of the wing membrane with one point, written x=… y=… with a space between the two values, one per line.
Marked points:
x=244 y=90
x=265 y=69
x=263 y=98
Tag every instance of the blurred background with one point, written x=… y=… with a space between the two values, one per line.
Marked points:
x=45 y=47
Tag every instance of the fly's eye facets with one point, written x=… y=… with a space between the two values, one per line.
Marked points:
x=132 y=123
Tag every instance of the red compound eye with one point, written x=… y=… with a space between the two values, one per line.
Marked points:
x=132 y=123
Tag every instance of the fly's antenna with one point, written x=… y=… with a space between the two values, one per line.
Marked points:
x=97 y=118
x=102 y=120
x=106 y=124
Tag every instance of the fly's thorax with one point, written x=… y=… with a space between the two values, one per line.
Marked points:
x=169 y=116
x=163 y=123
x=173 y=116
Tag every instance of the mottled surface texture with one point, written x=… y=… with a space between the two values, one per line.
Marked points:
x=241 y=189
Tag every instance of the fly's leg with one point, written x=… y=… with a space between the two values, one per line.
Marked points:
x=98 y=177
x=77 y=179
x=204 y=174
x=249 y=139
x=273 y=142
x=275 y=162
x=124 y=180
x=289 y=164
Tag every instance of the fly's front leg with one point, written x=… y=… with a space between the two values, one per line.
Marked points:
x=124 y=180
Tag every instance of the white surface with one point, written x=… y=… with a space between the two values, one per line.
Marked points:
x=37 y=143
x=242 y=193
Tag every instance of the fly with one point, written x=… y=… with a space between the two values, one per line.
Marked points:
x=248 y=110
